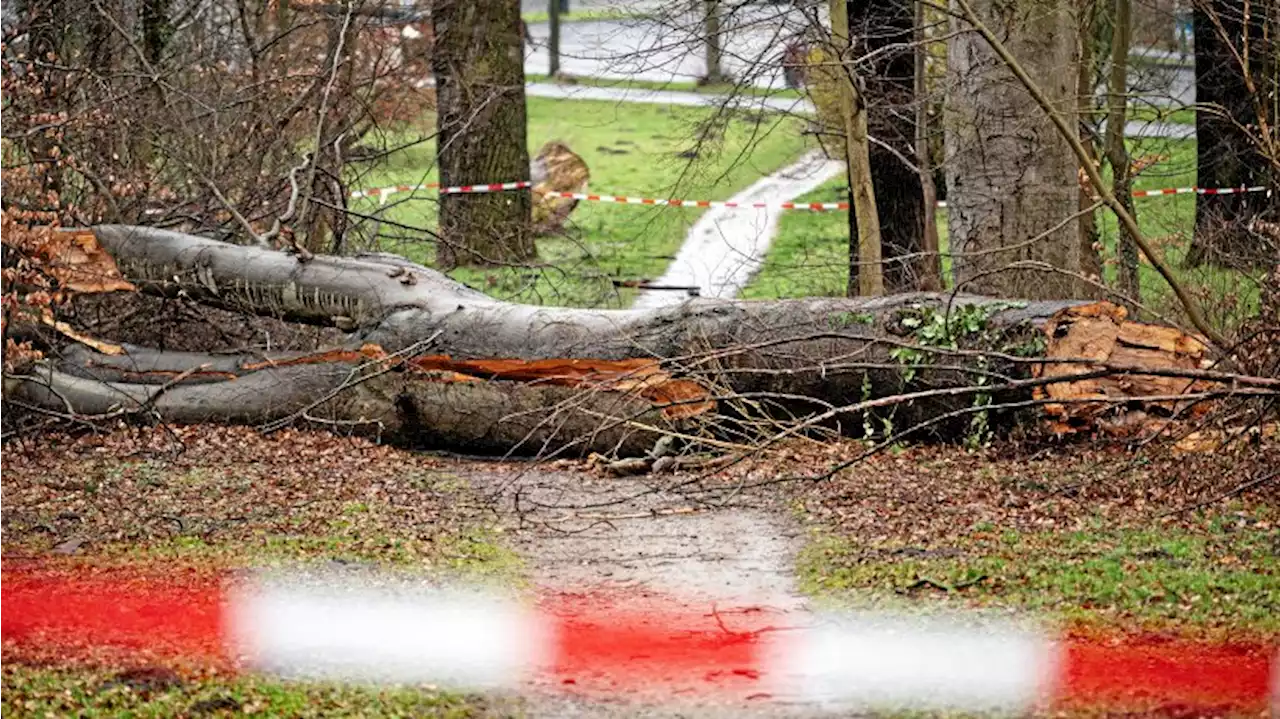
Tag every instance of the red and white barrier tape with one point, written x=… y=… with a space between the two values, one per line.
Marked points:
x=362 y=628
x=817 y=206
x=1199 y=191
x=384 y=192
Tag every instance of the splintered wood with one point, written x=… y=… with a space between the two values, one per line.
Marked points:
x=1098 y=336
x=678 y=398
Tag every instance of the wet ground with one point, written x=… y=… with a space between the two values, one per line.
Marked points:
x=635 y=551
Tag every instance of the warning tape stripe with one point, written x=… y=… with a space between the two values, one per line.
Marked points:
x=1199 y=191
x=384 y=192
x=672 y=202
x=353 y=627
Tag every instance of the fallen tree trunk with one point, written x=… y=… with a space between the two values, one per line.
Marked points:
x=433 y=362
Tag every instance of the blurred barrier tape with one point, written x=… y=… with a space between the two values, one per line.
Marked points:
x=385 y=192
x=818 y=206
x=363 y=627
x=1199 y=191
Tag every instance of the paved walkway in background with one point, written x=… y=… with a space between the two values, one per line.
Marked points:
x=794 y=105
x=726 y=246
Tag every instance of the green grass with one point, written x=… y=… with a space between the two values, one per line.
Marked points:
x=720 y=88
x=45 y=692
x=809 y=255
x=1148 y=113
x=1223 y=576
x=631 y=149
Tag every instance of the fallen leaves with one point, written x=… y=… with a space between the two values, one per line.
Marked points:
x=80 y=264
x=223 y=493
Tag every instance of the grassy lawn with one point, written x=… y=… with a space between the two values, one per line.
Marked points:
x=82 y=692
x=129 y=505
x=674 y=85
x=1083 y=537
x=631 y=149
x=1149 y=113
x=810 y=254
x=1219 y=574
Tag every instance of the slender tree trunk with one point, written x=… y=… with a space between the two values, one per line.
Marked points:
x=1117 y=153
x=866 y=269
x=931 y=263
x=713 y=41
x=883 y=30
x=1235 y=114
x=553 y=41
x=156 y=29
x=1012 y=179
x=1090 y=241
x=478 y=63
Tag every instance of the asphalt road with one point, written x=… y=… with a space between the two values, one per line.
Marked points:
x=663 y=44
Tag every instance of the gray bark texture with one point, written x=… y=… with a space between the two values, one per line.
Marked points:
x=478 y=62
x=792 y=358
x=1011 y=178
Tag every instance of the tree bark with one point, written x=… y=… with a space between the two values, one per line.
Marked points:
x=553 y=38
x=478 y=64
x=713 y=42
x=1012 y=179
x=931 y=263
x=884 y=30
x=1086 y=80
x=866 y=266
x=1117 y=152
x=1232 y=87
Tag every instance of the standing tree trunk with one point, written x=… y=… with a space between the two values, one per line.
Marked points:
x=866 y=268
x=1235 y=126
x=553 y=38
x=1086 y=81
x=1117 y=153
x=478 y=62
x=884 y=31
x=1012 y=184
x=931 y=263
x=713 y=42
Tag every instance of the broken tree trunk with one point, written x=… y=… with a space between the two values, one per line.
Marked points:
x=432 y=362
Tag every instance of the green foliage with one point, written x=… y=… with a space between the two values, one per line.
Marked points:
x=932 y=328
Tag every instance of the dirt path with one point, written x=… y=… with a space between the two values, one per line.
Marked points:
x=592 y=541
